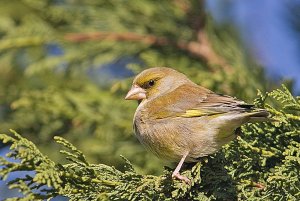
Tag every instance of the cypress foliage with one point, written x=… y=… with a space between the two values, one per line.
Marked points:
x=49 y=53
x=263 y=163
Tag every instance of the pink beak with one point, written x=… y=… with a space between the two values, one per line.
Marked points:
x=136 y=93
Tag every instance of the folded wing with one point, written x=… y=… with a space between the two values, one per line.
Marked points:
x=195 y=101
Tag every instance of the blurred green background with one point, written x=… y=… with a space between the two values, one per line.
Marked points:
x=66 y=65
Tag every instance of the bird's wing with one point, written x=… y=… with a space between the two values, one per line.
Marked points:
x=214 y=104
x=195 y=101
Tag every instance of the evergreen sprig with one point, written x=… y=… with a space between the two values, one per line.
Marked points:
x=262 y=164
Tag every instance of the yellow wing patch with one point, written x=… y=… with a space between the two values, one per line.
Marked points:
x=199 y=113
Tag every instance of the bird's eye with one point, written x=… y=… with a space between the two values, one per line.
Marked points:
x=151 y=83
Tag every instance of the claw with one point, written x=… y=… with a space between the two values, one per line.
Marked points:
x=176 y=175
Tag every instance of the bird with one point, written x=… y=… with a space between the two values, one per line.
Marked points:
x=181 y=121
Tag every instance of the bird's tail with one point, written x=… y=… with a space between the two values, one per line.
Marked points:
x=259 y=115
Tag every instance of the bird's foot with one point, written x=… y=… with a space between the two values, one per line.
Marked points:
x=177 y=175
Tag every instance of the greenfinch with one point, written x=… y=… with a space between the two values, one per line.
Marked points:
x=181 y=121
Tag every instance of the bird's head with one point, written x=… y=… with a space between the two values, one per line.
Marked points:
x=154 y=82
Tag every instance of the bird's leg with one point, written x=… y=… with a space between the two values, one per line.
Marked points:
x=176 y=173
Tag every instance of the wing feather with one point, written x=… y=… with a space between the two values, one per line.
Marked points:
x=193 y=101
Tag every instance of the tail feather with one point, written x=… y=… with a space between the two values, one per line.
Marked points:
x=259 y=115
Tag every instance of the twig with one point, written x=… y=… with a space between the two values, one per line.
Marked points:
x=111 y=36
x=200 y=48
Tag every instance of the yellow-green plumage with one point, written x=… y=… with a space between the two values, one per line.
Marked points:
x=198 y=113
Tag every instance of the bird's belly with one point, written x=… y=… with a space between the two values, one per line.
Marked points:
x=170 y=139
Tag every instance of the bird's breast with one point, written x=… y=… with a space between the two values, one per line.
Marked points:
x=158 y=137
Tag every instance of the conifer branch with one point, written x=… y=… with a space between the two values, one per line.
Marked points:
x=240 y=170
x=200 y=48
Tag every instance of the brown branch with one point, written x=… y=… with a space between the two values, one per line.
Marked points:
x=201 y=48
x=111 y=36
